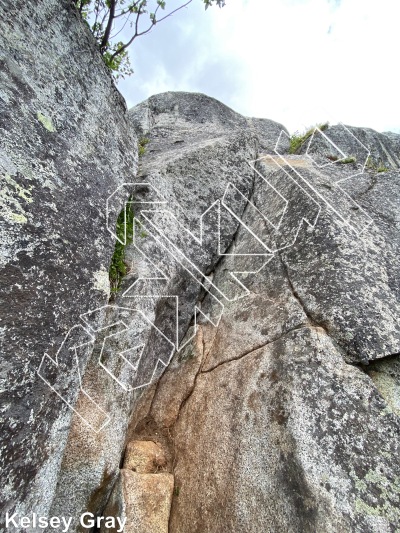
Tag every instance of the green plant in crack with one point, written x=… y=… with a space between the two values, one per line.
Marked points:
x=382 y=168
x=376 y=166
x=143 y=142
x=124 y=231
x=298 y=139
x=332 y=157
x=348 y=160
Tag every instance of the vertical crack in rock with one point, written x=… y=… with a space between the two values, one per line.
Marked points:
x=374 y=182
x=187 y=397
x=309 y=316
x=322 y=325
x=289 y=437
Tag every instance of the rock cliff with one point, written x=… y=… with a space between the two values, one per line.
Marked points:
x=243 y=373
x=65 y=146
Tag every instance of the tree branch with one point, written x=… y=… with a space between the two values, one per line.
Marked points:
x=106 y=36
x=122 y=29
x=138 y=34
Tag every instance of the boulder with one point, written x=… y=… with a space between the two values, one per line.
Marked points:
x=158 y=297
x=144 y=457
x=143 y=500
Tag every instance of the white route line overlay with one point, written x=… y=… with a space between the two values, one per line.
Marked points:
x=286 y=161
x=185 y=262
x=90 y=331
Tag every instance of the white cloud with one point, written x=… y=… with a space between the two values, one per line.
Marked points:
x=295 y=61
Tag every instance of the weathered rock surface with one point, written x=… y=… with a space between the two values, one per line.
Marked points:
x=285 y=415
x=144 y=457
x=179 y=120
x=144 y=500
x=250 y=356
x=384 y=147
x=91 y=461
x=192 y=177
x=65 y=146
x=294 y=444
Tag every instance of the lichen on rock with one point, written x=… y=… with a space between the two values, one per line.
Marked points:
x=245 y=375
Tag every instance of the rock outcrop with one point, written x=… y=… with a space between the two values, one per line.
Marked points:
x=193 y=175
x=65 y=147
x=143 y=501
x=285 y=415
x=145 y=457
x=280 y=408
x=244 y=374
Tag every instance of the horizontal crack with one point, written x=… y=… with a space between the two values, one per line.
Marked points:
x=369 y=364
x=187 y=397
x=249 y=352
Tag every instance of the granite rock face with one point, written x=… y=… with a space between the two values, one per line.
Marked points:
x=163 y=286
x=384 y=148
x=65 y=147
x=142 y=500
x=145 y=457
x=285 y=415
x=244 y=375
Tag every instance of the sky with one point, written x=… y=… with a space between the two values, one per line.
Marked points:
x=298 y=62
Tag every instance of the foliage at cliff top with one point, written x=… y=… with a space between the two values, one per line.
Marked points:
x=111 y=20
